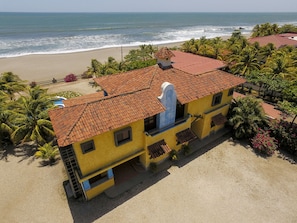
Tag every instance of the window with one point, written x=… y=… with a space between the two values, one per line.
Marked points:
x=87 y=146
x=123 y=136
x=230 y=92
x=180 y=110
x=150 y=123
x=217 y=98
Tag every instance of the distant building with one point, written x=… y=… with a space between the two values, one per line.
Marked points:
x=278 y=40
x=141 y=115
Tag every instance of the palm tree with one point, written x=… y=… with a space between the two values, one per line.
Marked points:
x=244 y=63
x=32 y=121
x=246 y=117
x=47 y=152
x=11 y=84
x=5 y=118
x=265 y=29
x=280 y=64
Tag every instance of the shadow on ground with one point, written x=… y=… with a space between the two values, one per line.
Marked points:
x=89 y=211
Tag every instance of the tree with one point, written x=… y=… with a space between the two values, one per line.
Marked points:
x=5 y=118
x=245 y=62
x=32 y=121
x=47 y=152
x=11 y=84
x=246 y=117
x=265 y=29
x=290 y=108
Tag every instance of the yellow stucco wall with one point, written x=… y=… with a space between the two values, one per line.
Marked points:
x=93 y=192
x=170 y=138
x=106 y=152
x=203 y=108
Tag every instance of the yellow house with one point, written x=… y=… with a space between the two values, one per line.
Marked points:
x=140 y=116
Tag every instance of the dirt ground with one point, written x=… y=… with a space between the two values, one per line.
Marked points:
x=229 y=183
x=81 y=86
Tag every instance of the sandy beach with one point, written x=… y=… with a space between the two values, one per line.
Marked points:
x=229 y=183
x=45 y=67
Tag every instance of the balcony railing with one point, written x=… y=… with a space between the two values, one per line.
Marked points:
x=179 y=121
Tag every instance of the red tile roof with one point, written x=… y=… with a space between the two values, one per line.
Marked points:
x=279 y=40
x=158 y=149
x=132 y=96
x=188 y=87
x=83 y=121
x=84 y=99
x=219 y=119
x=195 y=64
x=164 y=53
x=185 y=136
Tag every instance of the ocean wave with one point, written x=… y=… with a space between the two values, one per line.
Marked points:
x=86 y=35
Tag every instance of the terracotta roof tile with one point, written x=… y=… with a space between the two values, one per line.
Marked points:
x=195 y=64
x=164 y=53
x=185 y=136
x=219 y=119
x=188 y=87
x=132 y=96
x=83 y=99
x=279 y=40
x=83 y=121
x=158 y=149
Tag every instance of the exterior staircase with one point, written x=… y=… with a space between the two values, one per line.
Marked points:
x=71 y=166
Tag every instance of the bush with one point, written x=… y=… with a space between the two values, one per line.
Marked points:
x=186 y=150
x=86 y=75
x=286 y=134
x=70 y=78
x=33 y=84
x=262 y=142
x=173 y=155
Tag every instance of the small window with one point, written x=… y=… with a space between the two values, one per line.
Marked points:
x=87 y=146
x=217 y=98
x=123 y=136
x=230 y=92
x=180 y=111
x=150 y=123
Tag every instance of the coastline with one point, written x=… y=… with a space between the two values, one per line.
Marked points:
x=45 y=67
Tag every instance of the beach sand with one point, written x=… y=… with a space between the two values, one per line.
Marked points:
x=44 y=67
x=229 y=183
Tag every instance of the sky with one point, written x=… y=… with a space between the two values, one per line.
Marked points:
x=147 y=6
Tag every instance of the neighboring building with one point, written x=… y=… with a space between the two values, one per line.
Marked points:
x=278 y=40
x=141 y=115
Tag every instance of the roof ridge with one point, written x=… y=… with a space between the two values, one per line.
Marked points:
x=79 y=117
x=132 y=71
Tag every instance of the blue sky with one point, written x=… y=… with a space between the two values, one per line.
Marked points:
x=147 y=6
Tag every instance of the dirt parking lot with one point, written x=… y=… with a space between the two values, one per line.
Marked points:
x=229 y=183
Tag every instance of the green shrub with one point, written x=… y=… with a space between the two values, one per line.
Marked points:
x=173 y=155
x=186 y=149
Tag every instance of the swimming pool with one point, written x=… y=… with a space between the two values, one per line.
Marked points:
x=58 y=101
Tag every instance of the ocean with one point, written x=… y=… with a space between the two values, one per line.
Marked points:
x=51 y=33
